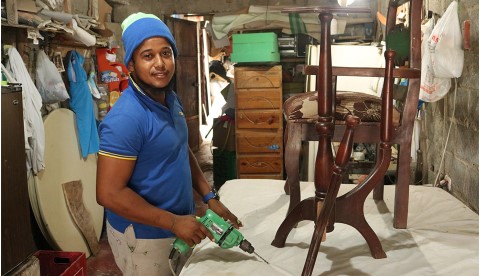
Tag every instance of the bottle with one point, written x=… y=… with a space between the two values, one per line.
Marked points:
x=102 y=103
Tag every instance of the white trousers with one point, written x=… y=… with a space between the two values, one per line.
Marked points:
x=143 y=257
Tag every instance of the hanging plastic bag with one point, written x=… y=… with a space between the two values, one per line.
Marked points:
x=446 y=42
x=49 y=82
x=92 y=84
x=431 y=88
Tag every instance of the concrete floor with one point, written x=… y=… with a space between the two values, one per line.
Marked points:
x=103 y=263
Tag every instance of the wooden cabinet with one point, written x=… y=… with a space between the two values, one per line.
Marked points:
x=17 y=238
x=259 y=122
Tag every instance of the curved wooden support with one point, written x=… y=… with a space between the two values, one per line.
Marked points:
x=293 y=143
x=305 y=210
x=349 y=209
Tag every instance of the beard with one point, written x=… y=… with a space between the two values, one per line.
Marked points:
x=150 y=89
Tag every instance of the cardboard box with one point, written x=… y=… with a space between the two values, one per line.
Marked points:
x=255 y=47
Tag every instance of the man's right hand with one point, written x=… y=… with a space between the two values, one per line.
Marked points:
x=190 y=230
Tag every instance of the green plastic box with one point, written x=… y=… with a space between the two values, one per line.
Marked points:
x=255 y=47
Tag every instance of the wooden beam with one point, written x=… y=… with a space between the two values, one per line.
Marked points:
x=366 y=72
x=12 y=15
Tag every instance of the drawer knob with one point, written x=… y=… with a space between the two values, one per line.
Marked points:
x=271 y=120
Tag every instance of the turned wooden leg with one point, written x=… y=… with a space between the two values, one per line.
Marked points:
x=341 y=161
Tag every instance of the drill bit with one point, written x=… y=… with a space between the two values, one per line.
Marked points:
x=261 y=257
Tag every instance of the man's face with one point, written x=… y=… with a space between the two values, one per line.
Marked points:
x=153 y=62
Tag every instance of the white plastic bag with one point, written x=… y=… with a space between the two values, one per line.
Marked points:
x=446 y=43
x=431 y=88
x=49 y=82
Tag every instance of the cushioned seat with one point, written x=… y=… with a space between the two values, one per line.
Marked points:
x=303 y=107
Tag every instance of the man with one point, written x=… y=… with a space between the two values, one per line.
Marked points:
x=146 y=171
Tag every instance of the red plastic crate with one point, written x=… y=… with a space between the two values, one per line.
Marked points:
x=59 y=263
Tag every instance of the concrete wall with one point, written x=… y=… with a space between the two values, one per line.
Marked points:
x=461 y=156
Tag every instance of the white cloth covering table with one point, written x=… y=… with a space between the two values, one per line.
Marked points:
x=441 y=238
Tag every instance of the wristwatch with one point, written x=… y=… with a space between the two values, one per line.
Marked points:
x=212 y=194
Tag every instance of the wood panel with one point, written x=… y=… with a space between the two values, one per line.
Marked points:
x=187 y=82
x=258 y=164
x=259 y=142
x=261 y=119
x=258 y=77
x=259 y=98
x=17 y=237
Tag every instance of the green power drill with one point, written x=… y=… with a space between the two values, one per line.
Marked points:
x=224 y=234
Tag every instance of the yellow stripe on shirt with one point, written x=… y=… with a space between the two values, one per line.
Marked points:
x=119 y=156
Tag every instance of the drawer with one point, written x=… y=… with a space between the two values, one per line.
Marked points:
x=259 y=142
x=258 y=119
x=258 y=77
x=259 y=164
x=261 y=176
x=258 y=98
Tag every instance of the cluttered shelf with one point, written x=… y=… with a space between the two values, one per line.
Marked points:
x=44 y=24
x=58 y=37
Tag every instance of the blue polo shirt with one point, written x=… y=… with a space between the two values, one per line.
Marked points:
x=156 y=137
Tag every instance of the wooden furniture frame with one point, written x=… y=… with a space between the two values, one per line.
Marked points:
x=325 y=208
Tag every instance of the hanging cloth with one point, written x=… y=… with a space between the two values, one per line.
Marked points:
x=32 y=117
x=82 y=104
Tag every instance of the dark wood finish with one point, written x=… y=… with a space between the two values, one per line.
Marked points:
x=403 y=135
x=17 y=238
x=370 y=132
x=186 y=76
x=341 y=161
x=366 y=72
x=349 y=207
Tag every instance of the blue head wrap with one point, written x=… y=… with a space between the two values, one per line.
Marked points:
x=140 y=26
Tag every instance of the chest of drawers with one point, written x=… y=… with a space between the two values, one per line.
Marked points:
x=259 y=122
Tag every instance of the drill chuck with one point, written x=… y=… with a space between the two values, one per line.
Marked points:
x=246 y=246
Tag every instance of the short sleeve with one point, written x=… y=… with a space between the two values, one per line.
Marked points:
x=120 y=136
